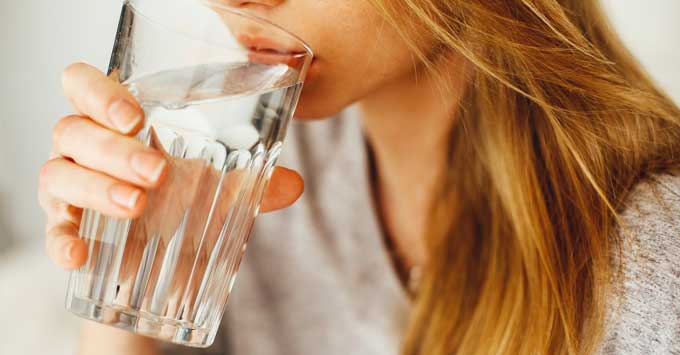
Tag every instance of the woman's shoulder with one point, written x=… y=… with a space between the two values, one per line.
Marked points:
x=650 y=234
x=644 y=317
x=651 y=217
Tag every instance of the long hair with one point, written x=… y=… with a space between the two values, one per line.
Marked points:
x=557 y=124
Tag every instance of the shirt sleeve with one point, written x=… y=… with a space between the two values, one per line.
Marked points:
x=644 y=312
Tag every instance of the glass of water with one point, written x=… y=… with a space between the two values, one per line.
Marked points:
x=218 y=88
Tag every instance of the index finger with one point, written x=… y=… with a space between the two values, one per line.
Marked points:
x=102 y=99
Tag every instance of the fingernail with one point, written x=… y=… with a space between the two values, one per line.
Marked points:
x=124 y=195
x=70 y=249
x=124 y=116
x=149 y=165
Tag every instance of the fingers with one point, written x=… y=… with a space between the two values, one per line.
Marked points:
x=80 y=187
x=284 y=188
x=104 y=100
x=64 y=247
x=58 y=211
x=61 y=179
x=98 y=148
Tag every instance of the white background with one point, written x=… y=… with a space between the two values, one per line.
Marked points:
x=39 y=38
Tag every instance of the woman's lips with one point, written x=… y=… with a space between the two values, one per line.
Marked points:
x=271 y=58
x=259 y=43
x=268 y=51
x=264 y=50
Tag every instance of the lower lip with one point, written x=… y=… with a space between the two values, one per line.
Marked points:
x=270 y=57
x=292 y=60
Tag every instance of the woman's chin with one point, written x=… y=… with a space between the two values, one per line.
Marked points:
x=313 y=106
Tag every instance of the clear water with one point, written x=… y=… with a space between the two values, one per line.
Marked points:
x=169 y=273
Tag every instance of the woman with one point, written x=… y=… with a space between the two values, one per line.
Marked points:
x=520 y=162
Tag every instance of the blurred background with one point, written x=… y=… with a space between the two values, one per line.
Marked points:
x=40 y=38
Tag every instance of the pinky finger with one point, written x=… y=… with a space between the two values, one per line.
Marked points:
x=64 y=246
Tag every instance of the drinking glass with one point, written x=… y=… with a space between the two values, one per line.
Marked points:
x=218 y=88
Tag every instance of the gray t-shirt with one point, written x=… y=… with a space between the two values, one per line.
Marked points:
x=317 y=277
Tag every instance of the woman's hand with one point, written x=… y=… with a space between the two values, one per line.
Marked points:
x=95 y=163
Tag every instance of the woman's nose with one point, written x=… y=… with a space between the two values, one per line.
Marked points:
x=242 y=3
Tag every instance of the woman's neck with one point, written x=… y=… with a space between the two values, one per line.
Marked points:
x=407 y=124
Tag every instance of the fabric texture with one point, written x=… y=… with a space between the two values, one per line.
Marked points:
x=317 y=277
x=645 y=314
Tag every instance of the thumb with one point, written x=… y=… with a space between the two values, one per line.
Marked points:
x=284 y=188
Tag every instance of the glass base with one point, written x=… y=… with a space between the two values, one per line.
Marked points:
x=141 y=323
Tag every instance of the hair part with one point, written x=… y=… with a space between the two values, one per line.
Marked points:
x=556 y=126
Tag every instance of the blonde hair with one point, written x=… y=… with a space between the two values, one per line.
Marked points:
x=557 y=124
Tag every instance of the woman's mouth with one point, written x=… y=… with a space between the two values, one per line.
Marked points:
x=259 y=43
x=264 y=50
x=268 y=49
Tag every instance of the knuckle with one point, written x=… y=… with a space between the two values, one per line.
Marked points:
x=44 y=205
x=68 y=72
x=44 y=200
x=61 y=128
x=45 y=175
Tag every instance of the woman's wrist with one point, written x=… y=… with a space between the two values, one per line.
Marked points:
x=101 y=339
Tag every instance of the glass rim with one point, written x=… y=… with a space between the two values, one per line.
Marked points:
x=308 y=52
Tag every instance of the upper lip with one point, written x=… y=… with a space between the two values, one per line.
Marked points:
x=264 y=44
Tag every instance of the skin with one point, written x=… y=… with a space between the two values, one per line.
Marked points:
x=359 y=59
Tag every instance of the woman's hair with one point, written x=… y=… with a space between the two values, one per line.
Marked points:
x=557 y=124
